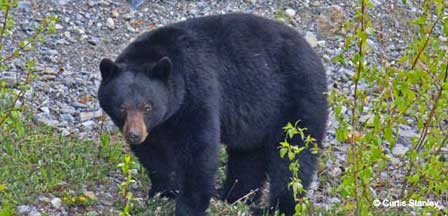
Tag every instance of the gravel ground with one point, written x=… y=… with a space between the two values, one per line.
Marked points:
x=64 y=94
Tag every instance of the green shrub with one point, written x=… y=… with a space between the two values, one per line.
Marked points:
x=410 y=91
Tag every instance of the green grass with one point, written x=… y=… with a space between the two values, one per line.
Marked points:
x=35 y=160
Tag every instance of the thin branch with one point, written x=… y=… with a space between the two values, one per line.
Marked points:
x=354 y=108
x=429 y=119
x=5 y=21
x=424 y=132
x=428 y=36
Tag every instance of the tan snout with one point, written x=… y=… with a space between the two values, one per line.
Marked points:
x=134 y=130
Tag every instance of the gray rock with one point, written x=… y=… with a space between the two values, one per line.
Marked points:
x=93 y=40
x=92 y=3
x=399 y=149
x=84 y=116
x=67 y=118
x=136 y=3
x=89 y=125
x=321 y=43
x=56 y=202
x=311 y=38
x=61 y=2
x=406 y=131
x=115 y=14
x=79 y=105
x=24 y=6
x=44 y=199
x=8 y=81
x=335 y=172
x=67 y=109
x=58 y=26
x=46 y=119
x=110 y=23
x=24 y=209
x=290 y=12
x=394 y=161
x=129 y=16
x=34 y=213
x=331 y=20
x=334 y=200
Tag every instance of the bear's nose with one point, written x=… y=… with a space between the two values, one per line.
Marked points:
x=134 y=137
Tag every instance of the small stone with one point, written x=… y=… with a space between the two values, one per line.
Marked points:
x=58 y=26
x=129 y=16
x=134 y=171
x=56 y=203
x=91 y=213
x=311 y=39
x=61 y=2
x=399 y=150
x=335 y=172
x=90 y=195
x=67 y=34
x=45 y=109
x=44 y=199
x=115 y=14
x=45 y=118
x=8 y=81
x=34 y=213
x=336 y=14
x=321 y=43
x=93 y=41
x=80 y=30
x=67 y=109
x=368 y=119
x=88 y=124
x=91 y=3
x=406 y=131
x=315 y=3
x=67 y=118
x=78 y=105
x=24 y=6
x=332 y=20
x=334 y=200
x=23 y=209
x=290 y=12
x=84 y=36
x=110 y=23
x=136 y=3
x=84 y=116
x=394 y=161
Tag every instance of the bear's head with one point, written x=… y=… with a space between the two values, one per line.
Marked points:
x=136 y=97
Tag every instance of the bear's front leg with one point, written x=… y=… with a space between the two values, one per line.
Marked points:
x=199 y=162
x=156 y=157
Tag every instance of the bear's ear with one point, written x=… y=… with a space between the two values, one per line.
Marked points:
x=107 y=68
x=162 y=69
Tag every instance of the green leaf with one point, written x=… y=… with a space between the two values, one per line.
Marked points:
x=291 y=155
x=283 y=152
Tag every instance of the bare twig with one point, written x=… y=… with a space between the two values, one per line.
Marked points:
x=5 y=21
x=354 y=108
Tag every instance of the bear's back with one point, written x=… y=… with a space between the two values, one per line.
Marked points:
x=263 y=72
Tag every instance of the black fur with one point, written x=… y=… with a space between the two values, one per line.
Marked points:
x=235 y=79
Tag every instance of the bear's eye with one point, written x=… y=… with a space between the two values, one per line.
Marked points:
x=147 y=108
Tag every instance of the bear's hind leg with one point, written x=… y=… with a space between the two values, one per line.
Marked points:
x=280 y=195
x=245 y=173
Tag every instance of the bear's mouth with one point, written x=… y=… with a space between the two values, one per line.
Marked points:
x=134 y=130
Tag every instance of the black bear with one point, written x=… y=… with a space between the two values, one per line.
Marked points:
x=179 y=91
